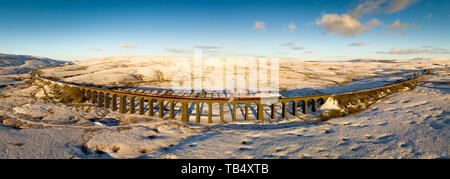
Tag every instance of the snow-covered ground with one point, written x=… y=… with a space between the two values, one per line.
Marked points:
x=412 y=124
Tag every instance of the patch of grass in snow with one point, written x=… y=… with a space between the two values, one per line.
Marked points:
x=77 y=68
x=159 y=77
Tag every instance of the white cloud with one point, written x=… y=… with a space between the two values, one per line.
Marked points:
x=398 y=25
x=428 y=16
x=345 y=25
x=386 y=33
x=349 y=25
x=210 y=52
x=292 y=27
x=373 y=23
x=95 y=49
x=380 y=6
x=398 y=5
x=366 y=8
x=297 y=48
x=357 y=44
x=260 y=25
x=176 y=50
x=207 y=47
x=292 y=45
x=288 y=44
x=126 y=45
x=416 y=51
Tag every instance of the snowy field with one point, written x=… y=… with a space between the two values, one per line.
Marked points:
x=411 y=124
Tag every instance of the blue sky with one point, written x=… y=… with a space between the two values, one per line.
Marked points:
x=309 y=30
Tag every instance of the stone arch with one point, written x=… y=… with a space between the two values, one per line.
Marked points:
x=107 y=102
x=214 y=112
x=191 y=107
x=201 y=111
x=312 y=105
x=228 y=110
x=101 y=99
x=94 y=97
x=127 y=103
x=179 y=106
x=301 y=106
x=320 y=102
x=162 y=107
x=84 y=92
x=185 y=111
x=123 y=103
x=89 y=94
x=252 y=111
x=141 y=105
x=276 y=110
x=267 y=110
x=115 y=101
x=132 y=104
x=237 y=111
x=151 y=106
x=171 y=108
x=290 y=108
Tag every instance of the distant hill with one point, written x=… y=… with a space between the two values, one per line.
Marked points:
x=426 y=60
x=16 y=64
x=373 y=60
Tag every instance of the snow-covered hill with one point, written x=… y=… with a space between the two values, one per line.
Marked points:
x=311 y=77
x=14 y=67
x=16 y=64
